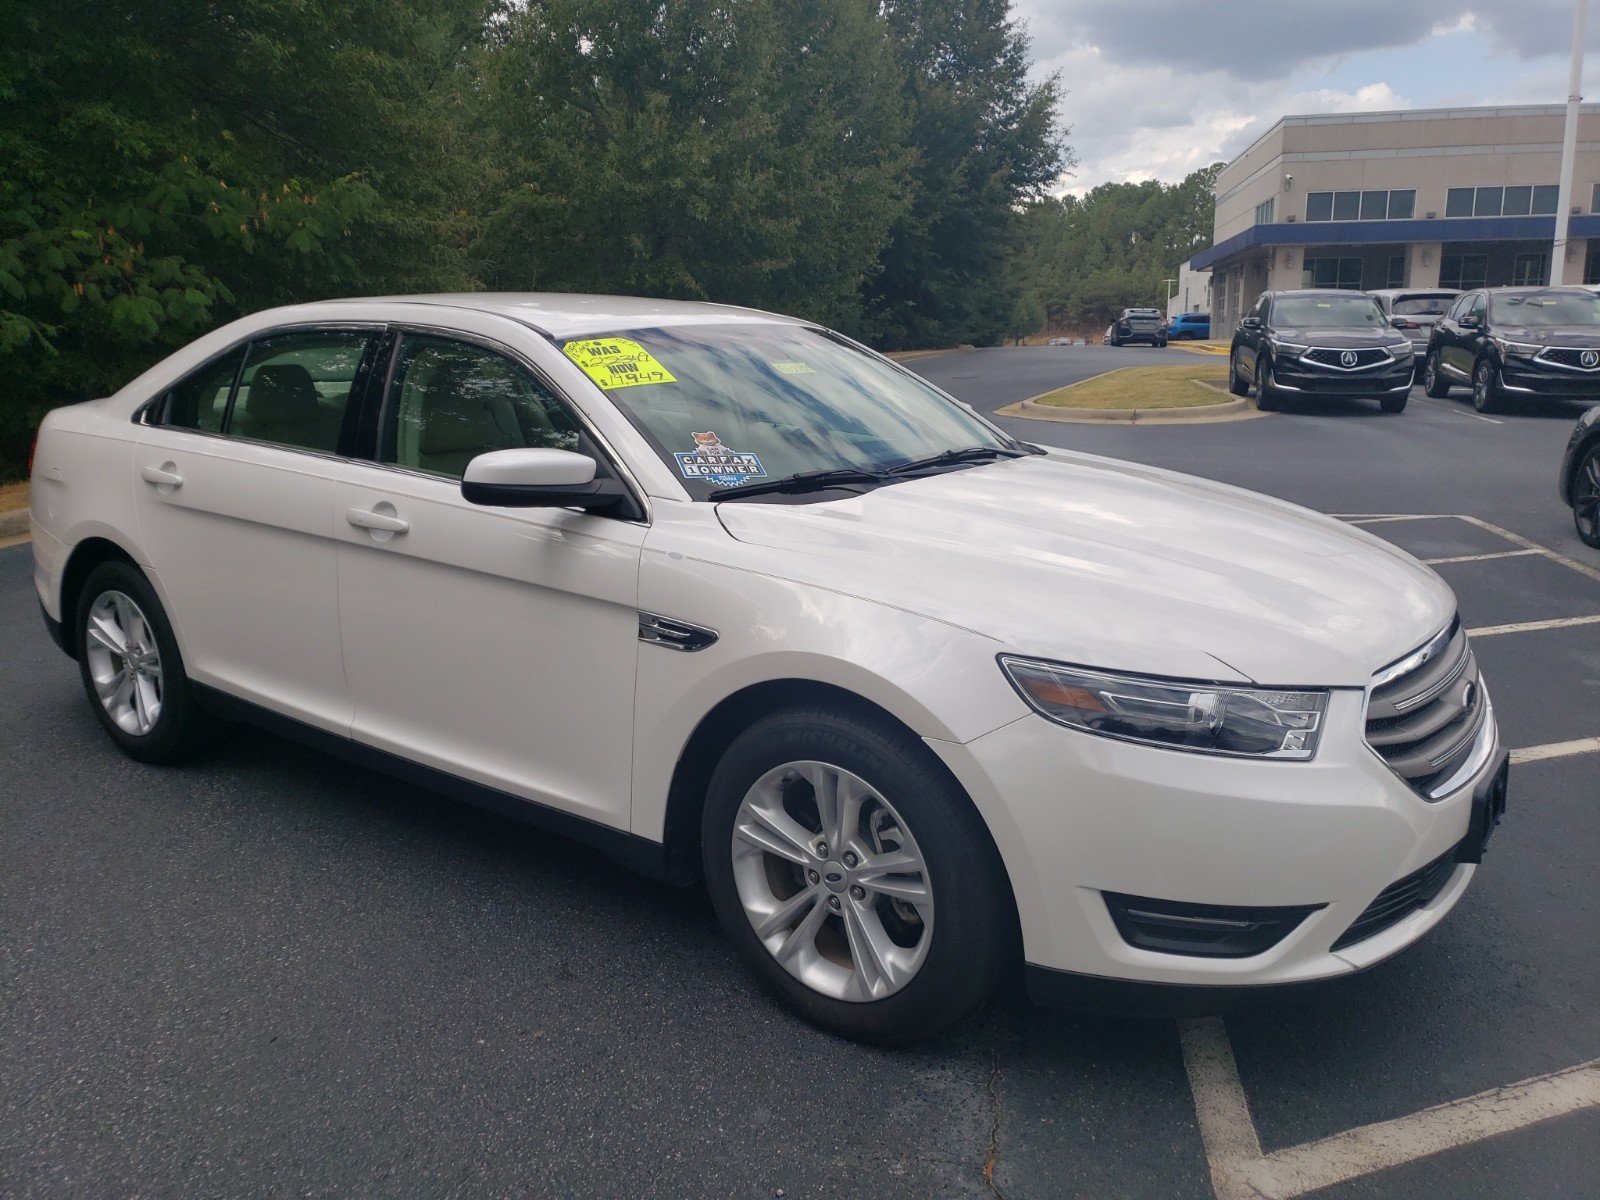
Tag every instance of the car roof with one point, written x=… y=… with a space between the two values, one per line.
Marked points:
x=1530 y=291
x=1322 y=292
x=562 y=315
x=1416 y=291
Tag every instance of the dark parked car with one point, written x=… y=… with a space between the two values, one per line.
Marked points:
x=1138 y=325
x=1323 y=343
x=1189 y=327
x=1414 y=312
x=1515 y=342
x=1580 y=477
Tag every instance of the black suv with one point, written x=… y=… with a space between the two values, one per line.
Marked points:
x=1508 y=342
x=1322 y=343
x=1139 y=325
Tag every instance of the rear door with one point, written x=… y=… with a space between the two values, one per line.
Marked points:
x=233 y=476
x=497 y=644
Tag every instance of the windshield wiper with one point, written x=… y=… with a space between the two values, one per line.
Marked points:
x=802 y=481
x=967 y=454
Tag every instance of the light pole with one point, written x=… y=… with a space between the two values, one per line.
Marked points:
x=1173 y=283
x=1569 y=147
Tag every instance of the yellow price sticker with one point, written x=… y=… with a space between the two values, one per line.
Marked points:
x=617 y=363
x=793 y=367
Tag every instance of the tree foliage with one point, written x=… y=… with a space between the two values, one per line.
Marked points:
x=1092 y=256
x=166 y=165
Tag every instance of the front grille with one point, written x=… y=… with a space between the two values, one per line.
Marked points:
x=1425 y=722
x=1569 y=356
x=1400 y=899
x=1325 y=356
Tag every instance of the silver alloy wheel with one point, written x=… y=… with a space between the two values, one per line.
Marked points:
x=832 y=881
x=124 y=662
x=1586 y=498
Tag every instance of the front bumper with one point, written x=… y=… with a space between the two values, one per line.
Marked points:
x=1292 y=375
x=1524 y=377
x=1077 y=816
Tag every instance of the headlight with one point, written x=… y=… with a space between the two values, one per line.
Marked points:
x=1403 y=349
x=1517 y=349
x=1206 y=718
x=1292 y=348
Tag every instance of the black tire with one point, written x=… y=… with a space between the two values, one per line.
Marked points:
x=1161 y=345
x=180 y=727
x=1586 y=497
x=1237 y=386
x=974 y=934
x=1487 y=396
x=1117 y=342
x=1434 y=382
x=1394 y=404
x=1267 y=399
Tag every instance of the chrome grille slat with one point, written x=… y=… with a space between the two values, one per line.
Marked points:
x=1425 y=722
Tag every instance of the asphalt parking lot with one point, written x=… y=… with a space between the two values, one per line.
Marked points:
x=269 y=973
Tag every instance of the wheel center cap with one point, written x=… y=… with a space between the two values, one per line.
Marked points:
x=833 y=875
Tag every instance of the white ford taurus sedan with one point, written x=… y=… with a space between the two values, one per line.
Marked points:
x=734 y=598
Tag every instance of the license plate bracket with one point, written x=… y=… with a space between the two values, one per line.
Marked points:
x=1488 y=809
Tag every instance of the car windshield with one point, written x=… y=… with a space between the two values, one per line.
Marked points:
x=1422 y=306
x=731 y=404
x=1328 y=312
x=1548 y=308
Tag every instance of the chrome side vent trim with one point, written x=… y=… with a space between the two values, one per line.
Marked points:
x=1428 y=715
x=657 y=630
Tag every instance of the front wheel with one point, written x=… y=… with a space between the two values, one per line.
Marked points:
x=1434 y=382
x=854 y=877
x=1266 y=394
x=1237 y=385
x=131 y=668
x=1394 y=404
x=1586 y=498
x=1486 y=393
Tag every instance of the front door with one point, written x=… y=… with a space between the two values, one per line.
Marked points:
x=234 y=486
x=493 y=643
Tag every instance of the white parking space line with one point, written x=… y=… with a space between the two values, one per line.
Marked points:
x=1459 y=558
x=1385 y=518
x=1239 y=1171
x=1358 y=1152
x=1484 y=631
x=1517 y=539
x=1556 y=750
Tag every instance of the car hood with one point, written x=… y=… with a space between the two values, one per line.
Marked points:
x=1110 y=564
x=1339 y=339
x=1559 y=335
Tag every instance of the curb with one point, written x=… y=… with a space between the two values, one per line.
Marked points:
x=911 y=356
x=1198 y=348
x=1240 y=408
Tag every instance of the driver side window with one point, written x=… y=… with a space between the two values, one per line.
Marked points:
x=451 y=401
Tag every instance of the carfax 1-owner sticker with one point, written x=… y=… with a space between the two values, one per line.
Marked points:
x=713 y=462
x=615 y=362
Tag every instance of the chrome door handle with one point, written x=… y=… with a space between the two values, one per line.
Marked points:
x=362 y=519
x=161 y=476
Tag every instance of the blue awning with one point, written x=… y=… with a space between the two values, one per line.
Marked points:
x=1366 y=233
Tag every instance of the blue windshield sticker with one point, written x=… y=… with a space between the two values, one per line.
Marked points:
x=712 y=462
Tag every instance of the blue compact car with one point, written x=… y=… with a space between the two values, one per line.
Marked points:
x=1189 y=325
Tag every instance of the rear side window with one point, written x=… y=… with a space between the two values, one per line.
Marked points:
x=296 y=388
x=201 y=400
x=451 y=401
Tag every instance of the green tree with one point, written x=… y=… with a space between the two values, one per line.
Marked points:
x=986 y=141
x=166 y=164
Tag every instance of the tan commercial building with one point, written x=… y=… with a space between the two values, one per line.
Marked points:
x=1450 y=197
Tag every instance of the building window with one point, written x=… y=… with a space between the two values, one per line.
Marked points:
x=1264 y=211
x=1397 y=270
x=1591 y=261
x=1331 y=272
x=1528 y=270
x=1397 y=205
x=1519 y=200
x=1463 y=271
x=1594 y=199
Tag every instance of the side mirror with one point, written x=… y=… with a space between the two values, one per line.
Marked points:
x=1400 y=323
x=540 y=477
x=1468 y=322
x=1250 y=323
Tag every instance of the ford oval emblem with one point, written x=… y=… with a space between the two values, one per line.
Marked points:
x=1348 y=358
x=1590 y=358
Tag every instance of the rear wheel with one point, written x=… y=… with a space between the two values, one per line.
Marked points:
x=1236 y=382
x=1487 y=396
x=131 y=669
x=854 y=877
x=1586 y=497
x=1434 y=382
x=1266 y=395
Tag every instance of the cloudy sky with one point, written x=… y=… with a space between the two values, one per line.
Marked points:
x=1156 y=88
